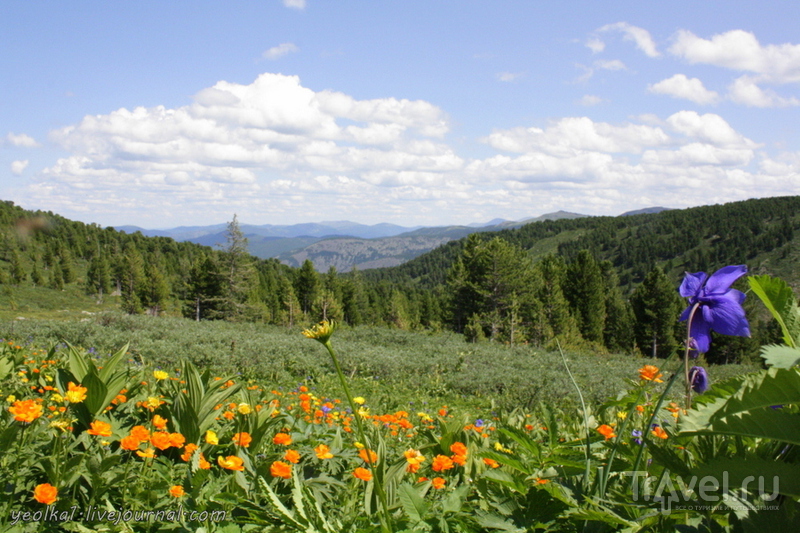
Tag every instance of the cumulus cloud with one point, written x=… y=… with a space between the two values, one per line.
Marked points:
x=17 y=167
x=21 y=140
x=295 y=4
x=279 y=51
x=640 y=36
x=740 y=50
x=744 y=90
x=679 y=86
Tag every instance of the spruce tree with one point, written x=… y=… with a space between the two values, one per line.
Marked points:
x=584 y=291
x=306 y=285
x=656 y=308
x=239 y=275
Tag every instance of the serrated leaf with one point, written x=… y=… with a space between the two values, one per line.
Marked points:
x=734 y=472
x=413 y=505
x=780 y=356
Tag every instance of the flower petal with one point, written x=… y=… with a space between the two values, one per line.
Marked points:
x=701 y=333
x=728 y=315
x=721 y=280
x=692 y=283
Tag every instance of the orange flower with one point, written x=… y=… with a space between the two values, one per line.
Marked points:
x=176 y=491
x=140 y=433
x=650 y=373
x=130 y=443
x=100 y=429
x=491 y=462
x=368 y=456
x=541 y=481
x=160 y=422
x=659 y=432
x=293 y=456
x=460 y=460
x=204 y=464
x=438 y=483
x=282 y=438
x=414 y=456
x=242 y=439
x=25 y=410
x=362 y=473
x=323 y=452
x=231 y=462
x=161 y=440
x=188 y=450
x=441 y=462
x=176 y=440
x=45 y=493
x=75 y=393
x=281 y=469
x=458 y=448
x=606 y=431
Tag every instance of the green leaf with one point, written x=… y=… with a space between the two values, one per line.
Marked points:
x=747 y=411
x=414 y=506
x=778 y=298
x=780 y=356
x=111 y=364
x=455 y=500
x=734 y=472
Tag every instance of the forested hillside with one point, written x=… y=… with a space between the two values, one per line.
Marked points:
x=607 y=283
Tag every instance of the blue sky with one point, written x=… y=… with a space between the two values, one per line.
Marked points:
x=162 y=114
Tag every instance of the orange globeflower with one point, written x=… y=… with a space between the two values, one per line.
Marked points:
x=188 y=450
x=204 y=464
x=149 y=453
x=323 y=452
x=458 y=448
x=100 y=429
x=75 y=393
x=231 y=462
x=140 y=433
x=176 y=491
x=441 y=462
x=362 y=473
x=606 y=431
x=281 y=469
x=368 y=456
x=282 y=438
x=45 y=493
x=242 y=439
x=161 y=440
x=650 y=373
x=160 y=422
x=491 y=462
x=659 y=432
x=438 y=483
x=25 y=410
x=129 y=443
x=293 y=456
x=176 y=440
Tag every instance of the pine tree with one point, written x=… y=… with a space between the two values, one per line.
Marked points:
x=98 y=276
x=132 y=279
x=306 y=285
x=656 y=308
x=18 y=274
x=239 y=275
x=204 y=290
x=555 y=318
x=584 y=292
x=155 y=289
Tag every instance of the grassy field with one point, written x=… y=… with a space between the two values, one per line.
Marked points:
x=396 y=368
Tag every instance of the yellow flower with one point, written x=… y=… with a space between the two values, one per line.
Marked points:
x=57 y=398
x=76 y=393
x=211 y=437
x=359 y=400
x=244 y=408
x=160 y=375
x=363 y=411
x=622 y=415
x=64 y=424
x=321 y=332
x=11 y=398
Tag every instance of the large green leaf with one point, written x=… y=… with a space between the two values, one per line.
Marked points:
x=779 y=299
x=735 y=471
x=780 y=356
x=747 y=411
x=413 y=504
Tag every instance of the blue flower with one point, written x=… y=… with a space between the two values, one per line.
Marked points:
x=479 y=423
x=637 y=436
x=698 y=377
x=719 y=306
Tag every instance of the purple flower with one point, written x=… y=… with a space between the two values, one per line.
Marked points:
x=478 y=423
x=637 y=436
x=698 y=377
x=720 y=307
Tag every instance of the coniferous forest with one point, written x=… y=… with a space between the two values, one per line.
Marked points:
x=605 y=283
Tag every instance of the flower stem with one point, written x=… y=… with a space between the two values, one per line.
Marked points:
x=686 y=356
x=378 y=480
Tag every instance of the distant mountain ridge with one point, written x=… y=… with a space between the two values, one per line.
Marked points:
x=342 y=244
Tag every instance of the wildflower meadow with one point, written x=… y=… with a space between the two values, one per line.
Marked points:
x=116 y=444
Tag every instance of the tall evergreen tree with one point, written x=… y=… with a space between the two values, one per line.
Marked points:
x=98 y=276
x=132 y=279
x=555 y=318
x=656 y=308
x=584 y=291
x=306 y=285
x=204 y=290
x=238 y=273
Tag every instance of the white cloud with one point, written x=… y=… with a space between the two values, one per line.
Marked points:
x=295 y=4
x=279 y=51
x=508 y=76
x=17 y=167
x=679 y=86
x=640 y=36
x=614 y=64
x=590 y=100
x=745 y=91
x=595 y=45
x=21 y=140
x=708 y=128
x=740 y=50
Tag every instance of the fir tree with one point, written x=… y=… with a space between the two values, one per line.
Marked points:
x=656 y=307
